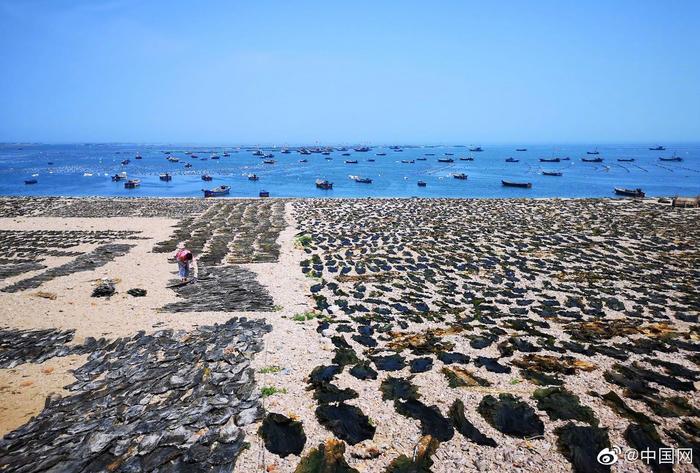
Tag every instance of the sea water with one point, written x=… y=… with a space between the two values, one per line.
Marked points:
x=86 y=170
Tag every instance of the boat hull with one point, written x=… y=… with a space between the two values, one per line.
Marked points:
x=523 y=185
x=630 y=192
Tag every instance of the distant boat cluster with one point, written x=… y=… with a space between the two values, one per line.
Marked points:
x=268 y=158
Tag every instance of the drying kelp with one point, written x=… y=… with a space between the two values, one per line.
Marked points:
x=615 y=402
x=241 y=231
x=432 y=422
x=324 y=374
x=98 y=257
x=420 y=462
x=544 y=369
x=363 y=370
x=137 y=292
x=491 y=364
x=389 y=362
x=420 y=343
x=452 y=357
x=168 y=400
x=328 y=457
x=581 y=446
x=222 y=288
x=546 y=287
x=561 y=404
x=282 y=436
x=346 y=422
x=421 y=365
x=326 y=393
x=101 y=207
x=643 y=437
x=397 y=388
x=510 y=415
x=37 y=346
x=466 y=428
x=104 y=288
x=459 y=377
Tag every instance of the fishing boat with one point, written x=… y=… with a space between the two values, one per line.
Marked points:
x=361 y=180
x=592 y=160
x=326 y=153
x=323 y=184
x=552 y=173
x=257 y=152
x=214 y=156
x=421 y=184
x=421 y=159
x=526 y=185
x=138 y=156
x=303 y=160
x=362 y=149
x=285 y=151
x=521 y=149
x=594 y=152
x=408 y=161
x=216 y=191
x=370 y=160
x=351 y=161
x=50 y=163
x=381 y=154
x=226 y=155
x=253 y=177
x=446 y=160
x=550 y=160
x=125 y=162
x=430 y=154
x=625 y=160
x=263 y=194
x=173 y=159
x=449 y=154
x=566 y=159
x=460 y=175
x=132 y=184
x=512 y=160
x=193 y=156
x=206 y=177
x=346 y=154
x=657 y=148
x=165 y=177
x=672 y=158
x=629 y=192
x=188 y=165
x=268 y=155
x=119 y=176
x=31 y=181
x=304 y=151
x=468 y=158
x=477 y=149
x=269 y=161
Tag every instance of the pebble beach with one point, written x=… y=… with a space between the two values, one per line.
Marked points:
x=348 y=335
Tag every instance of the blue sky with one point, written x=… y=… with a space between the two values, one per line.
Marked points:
x=276 y=72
